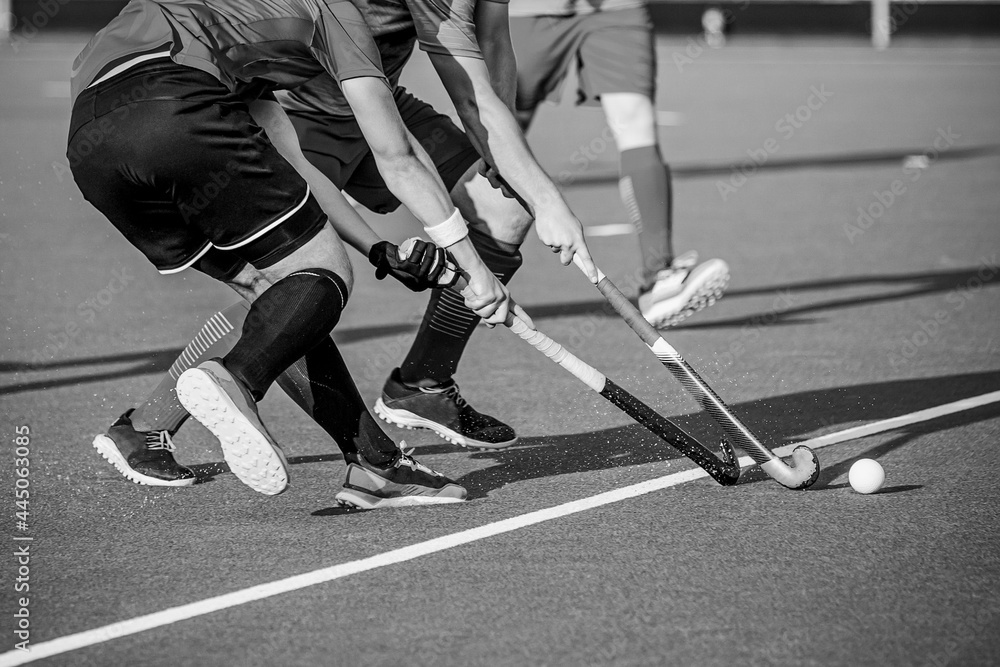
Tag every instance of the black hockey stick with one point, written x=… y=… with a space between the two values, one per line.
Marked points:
x=805 y=470
x=725 y=471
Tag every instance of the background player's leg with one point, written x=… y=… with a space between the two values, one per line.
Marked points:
x=645 y=179
x=497 y=227
x=671 y=287
x=422 y=393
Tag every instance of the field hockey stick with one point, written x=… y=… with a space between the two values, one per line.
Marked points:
x=725 y=471
x=805 y=468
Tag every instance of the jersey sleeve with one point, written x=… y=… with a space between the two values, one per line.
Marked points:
x=343 y=43
x=447 y=26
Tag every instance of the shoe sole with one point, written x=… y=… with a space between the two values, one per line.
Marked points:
x=106 y=447
x=703 y=296
x=251 y=453
x=366 y=501
x=408 y=420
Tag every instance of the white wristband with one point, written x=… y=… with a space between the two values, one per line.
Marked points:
x=449 y=232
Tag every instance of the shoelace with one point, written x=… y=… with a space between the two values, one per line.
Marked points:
x=406 y=458
x=160 y=440
x=453 y=393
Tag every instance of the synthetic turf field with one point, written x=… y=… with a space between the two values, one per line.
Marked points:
x=816 y=335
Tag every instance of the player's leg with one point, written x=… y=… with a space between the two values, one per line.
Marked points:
x=200 y=162
x=422 y=391
x=618 y=70
x=644 y=179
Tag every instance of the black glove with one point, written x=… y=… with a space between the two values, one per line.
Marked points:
x=423 y=269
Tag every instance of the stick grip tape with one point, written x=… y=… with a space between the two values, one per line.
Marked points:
x=557 y=353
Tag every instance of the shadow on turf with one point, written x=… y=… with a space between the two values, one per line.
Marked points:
x=804 y=412
x=833 y=161
x=912 y=285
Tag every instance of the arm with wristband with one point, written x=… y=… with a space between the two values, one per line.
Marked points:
x=488 y=120
x=424 y=268
x=409 y=174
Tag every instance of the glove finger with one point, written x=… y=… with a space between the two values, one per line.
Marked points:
x=439 y=266
x=427 y=263
x=416 y=255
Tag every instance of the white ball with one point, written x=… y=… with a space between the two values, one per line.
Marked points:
x=866 y=476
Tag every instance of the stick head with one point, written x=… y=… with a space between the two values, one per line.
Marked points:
x=801 y=475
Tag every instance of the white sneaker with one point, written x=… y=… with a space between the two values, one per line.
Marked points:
x=683 y=289
x=218 y=400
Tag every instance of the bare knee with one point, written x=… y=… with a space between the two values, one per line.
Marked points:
x=487 y=209
x=323 y=251
x=632 y=119
x=249 y=283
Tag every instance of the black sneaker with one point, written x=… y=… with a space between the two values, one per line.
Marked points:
x=145 y=457
x=443 y=410
x=402 y=483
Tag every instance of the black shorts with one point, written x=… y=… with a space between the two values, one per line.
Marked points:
x=178 y=165
x=335 y=145
x=614 y=52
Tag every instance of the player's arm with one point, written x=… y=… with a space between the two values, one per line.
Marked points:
x=410 y=174
x=498 y=51
x=495 y=133
x=423 y=268
x=350 y=226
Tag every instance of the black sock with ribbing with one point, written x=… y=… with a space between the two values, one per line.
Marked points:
x=284 y=323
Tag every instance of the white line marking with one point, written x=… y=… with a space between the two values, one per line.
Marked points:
x=618 y=229
x=202 y=607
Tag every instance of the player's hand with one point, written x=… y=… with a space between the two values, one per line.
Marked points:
x=425 y=266
x=562 y=232
x=488 y=298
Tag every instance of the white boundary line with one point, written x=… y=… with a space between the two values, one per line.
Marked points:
x=202 y=607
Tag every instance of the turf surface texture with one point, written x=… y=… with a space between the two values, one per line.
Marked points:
x=819 y=332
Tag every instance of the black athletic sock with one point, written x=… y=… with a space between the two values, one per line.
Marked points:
x=647 y=194
x=289 y=319
x=448 y=324
x=321 y=384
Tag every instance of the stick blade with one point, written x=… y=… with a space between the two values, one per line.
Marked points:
x=803 y=472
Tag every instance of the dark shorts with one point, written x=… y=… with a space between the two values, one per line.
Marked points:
x=614 y=52
x=177 y=164
x=335 y=145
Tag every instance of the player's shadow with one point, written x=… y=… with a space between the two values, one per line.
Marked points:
x=885 y=288
x=771 y=419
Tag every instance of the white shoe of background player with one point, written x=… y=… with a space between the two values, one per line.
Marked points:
x=683 y=289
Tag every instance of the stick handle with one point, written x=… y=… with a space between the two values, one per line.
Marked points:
x=741 y=436
x=592 y=377
x=623 y=306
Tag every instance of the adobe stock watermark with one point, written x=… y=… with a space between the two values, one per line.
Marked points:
x=752 y=330
x=929 y=330
x=786 y=127
x=86 y=314
x=22 y=446
x=28 y=27
x=882 y=200
x=695 y=47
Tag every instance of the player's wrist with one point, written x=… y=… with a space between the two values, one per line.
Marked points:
x=449 y=232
